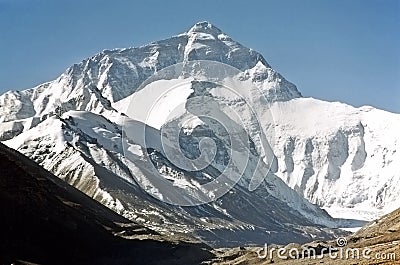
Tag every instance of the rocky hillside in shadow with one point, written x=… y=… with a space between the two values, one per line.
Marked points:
x=46 y=221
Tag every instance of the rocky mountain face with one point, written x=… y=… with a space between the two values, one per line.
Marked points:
x=331 y=154
x=71 y=147
x=46 y=221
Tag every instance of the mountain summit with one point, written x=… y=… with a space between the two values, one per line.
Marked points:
x=112 y=75
x=323 y=154
x=205 y=27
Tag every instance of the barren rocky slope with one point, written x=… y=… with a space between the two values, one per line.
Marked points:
x=46 y=221
x=380 y=240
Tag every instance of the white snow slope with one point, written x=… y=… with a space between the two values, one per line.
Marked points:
x=342 y=158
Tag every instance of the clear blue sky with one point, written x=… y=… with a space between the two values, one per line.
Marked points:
x=345 y=50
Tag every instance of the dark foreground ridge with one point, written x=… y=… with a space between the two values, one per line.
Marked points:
x=46 y=221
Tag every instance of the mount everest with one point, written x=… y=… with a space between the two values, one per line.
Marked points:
x=324 y=154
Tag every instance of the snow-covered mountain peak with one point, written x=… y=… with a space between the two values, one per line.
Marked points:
x=205 y=41
x=206 y=30
x=205 y=27
x=330 y=153
x=98 y=82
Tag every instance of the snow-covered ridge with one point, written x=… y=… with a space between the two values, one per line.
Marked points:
x=340 y=157
x=85 y=150
x=115 y=74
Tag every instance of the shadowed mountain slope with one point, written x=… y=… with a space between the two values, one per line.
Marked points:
x=44 y=220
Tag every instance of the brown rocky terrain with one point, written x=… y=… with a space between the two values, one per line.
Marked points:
x=379 y=240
